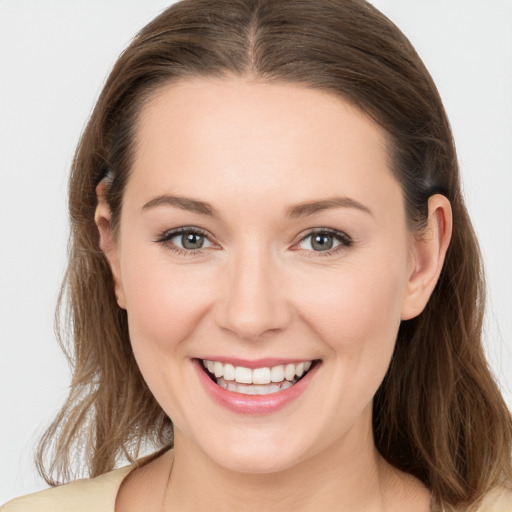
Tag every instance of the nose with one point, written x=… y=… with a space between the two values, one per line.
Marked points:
x=254 y=301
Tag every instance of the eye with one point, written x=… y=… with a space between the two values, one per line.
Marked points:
x=190 y=240
x=324 y=241
x=185 y=240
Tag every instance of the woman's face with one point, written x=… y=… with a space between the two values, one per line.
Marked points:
x=261 y=228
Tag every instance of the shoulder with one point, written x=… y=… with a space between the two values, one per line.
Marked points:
x=497 y=500
x=87 y=495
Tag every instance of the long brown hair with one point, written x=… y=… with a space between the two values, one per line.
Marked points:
x=438 y=413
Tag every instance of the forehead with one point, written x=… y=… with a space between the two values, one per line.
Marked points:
x=231 y=136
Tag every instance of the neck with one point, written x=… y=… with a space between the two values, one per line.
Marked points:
x=348 y=476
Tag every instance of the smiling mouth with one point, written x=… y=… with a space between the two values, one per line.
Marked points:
x=257 y=381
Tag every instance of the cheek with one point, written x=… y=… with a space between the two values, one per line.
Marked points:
x=356 y=309
x=357 y=318
x=164 y=304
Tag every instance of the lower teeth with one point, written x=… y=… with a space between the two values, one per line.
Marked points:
x=254 y=389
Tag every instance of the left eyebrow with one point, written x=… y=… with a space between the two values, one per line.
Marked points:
x=311 y=207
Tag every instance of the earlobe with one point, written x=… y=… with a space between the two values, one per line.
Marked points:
x=428 y=255
x=102 y=218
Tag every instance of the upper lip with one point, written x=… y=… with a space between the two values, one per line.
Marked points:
x=256 y=363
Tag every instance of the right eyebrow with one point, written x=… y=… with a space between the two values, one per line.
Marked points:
x=184 y=203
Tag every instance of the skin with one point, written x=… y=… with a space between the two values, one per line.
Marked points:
x=259 y=289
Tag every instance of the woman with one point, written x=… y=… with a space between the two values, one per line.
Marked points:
x=270 y=250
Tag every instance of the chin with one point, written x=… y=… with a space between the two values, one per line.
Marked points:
x=258 y=463
x=257 y=456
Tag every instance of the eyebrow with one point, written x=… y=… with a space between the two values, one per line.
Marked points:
x=184 y=203
x=296 y=211
x=311 y=207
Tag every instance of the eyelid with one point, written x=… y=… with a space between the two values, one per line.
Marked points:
x=170 y=233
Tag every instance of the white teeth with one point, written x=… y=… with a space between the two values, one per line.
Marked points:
x=229 y=372
x=243 y=375
x=259 y=376
x=251 y=389
x=277 y=373
x=266 y=390
x=247 y=390
x=289 y=371
x=218 y=369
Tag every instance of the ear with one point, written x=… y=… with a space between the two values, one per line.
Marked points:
x=102 y=218
x=428 y=254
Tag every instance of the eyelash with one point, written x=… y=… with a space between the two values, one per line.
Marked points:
x=344 y=241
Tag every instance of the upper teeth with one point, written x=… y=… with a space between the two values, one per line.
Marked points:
x=264 y=375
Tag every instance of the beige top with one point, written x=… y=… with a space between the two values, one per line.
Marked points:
x=99 y=495
x=87 y=495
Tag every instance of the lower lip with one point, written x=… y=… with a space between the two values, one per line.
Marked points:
x=255 y=405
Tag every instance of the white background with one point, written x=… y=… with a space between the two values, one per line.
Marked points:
x=54 y=57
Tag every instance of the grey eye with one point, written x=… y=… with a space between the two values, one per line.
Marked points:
x=190 y=240
x=323 y=241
